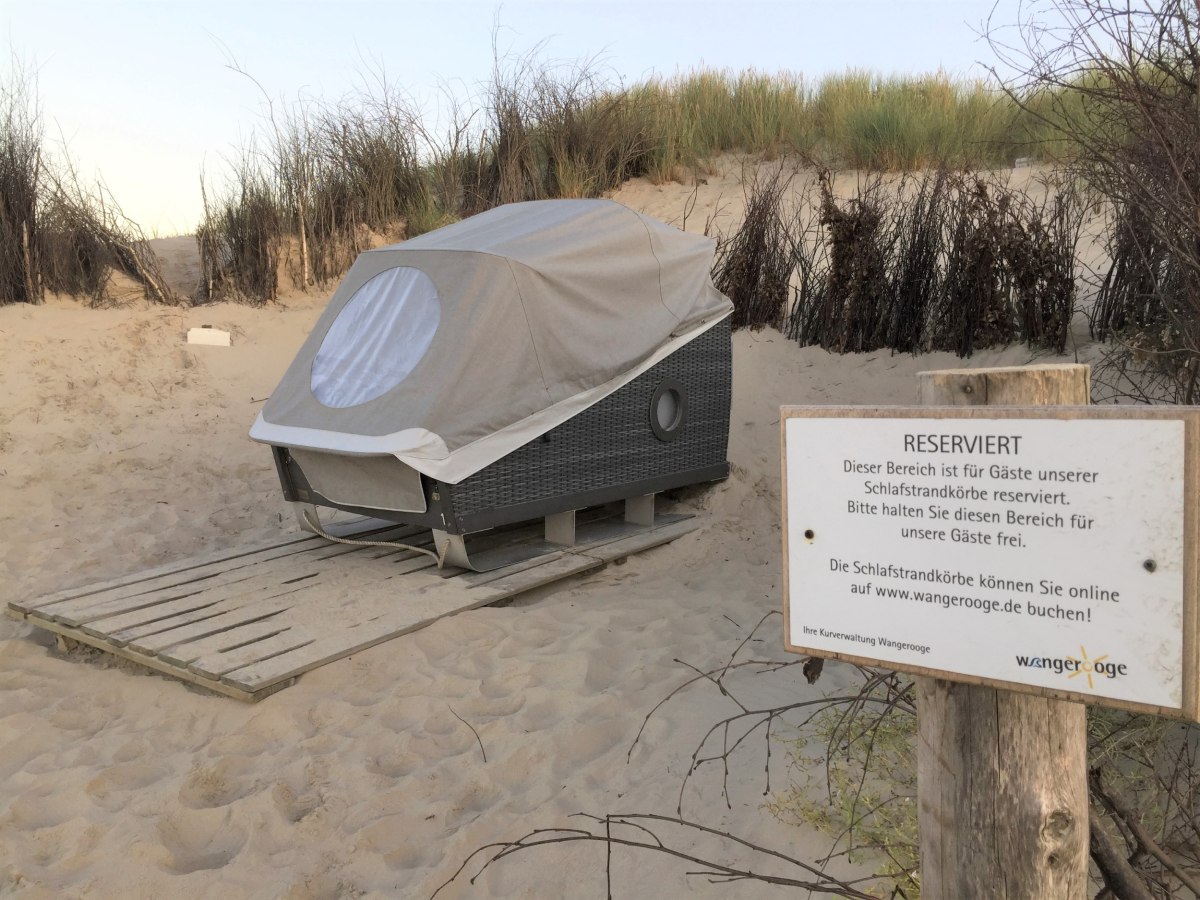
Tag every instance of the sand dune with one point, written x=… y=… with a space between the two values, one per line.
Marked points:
x=121 y=448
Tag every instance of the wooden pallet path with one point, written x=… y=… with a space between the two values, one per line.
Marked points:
x=247 y=623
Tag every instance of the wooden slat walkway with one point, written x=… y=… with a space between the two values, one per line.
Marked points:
x=248 y=623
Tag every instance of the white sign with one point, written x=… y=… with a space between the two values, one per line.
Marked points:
x=1043 y=552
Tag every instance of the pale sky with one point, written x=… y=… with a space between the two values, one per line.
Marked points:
x=141 y=92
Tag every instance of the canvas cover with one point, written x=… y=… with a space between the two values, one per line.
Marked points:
x=452 y=349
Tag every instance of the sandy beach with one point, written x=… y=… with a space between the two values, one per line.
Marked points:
x=122 y=447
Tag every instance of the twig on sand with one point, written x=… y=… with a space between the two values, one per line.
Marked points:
x=473 y=731
x=643 y=838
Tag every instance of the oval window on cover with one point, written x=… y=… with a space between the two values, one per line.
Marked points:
x=377 y=339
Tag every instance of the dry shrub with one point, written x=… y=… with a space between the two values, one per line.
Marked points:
x=1039 y=249
x=972 y=311
x=857 y=293
x=869 y=268
x=937 y=261
x=918 y=273
x=73 y=258
x=753 y=266
x=240 y=241
x=20 y=186
x=1010 y=272
x=86 y=238
x=325 y=177
x=55 y=233
x=1119 y=83
x=1143 y=306
x=557 y=131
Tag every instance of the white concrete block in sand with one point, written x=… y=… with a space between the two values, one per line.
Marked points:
x=208 y=336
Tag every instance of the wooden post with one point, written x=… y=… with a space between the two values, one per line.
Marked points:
x=1002 y=777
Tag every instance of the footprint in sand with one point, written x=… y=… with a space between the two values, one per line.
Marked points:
x=494 y=705
x=525 y=780
x=469 y=802
x=396 y=839
x=240 y=744
x=39 y=807
x=451 y=685
x=135 y=749
x=523 y=769
x=318 y=886
x=399 y=717
x=387 y=755
x=585 y=744
x=292 y=806
x=83 y=715
x=603 y=672
x=442 y=744
x=512 y=679
x=200 y=839
x=111 y=788
x=436 y=646
x=540 y=716
x=226 y=781
x=530 y=639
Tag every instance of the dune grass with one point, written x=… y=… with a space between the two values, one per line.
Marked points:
x=748 y=111
x=318 y=181
x=905 y=122
x=543 y=130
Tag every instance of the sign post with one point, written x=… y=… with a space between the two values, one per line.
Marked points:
x=1002 y=796
x=1016 y=559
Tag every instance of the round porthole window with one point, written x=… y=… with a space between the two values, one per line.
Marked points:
x=668 y=410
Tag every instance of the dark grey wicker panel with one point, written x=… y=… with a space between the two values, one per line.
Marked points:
x=612 y=442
